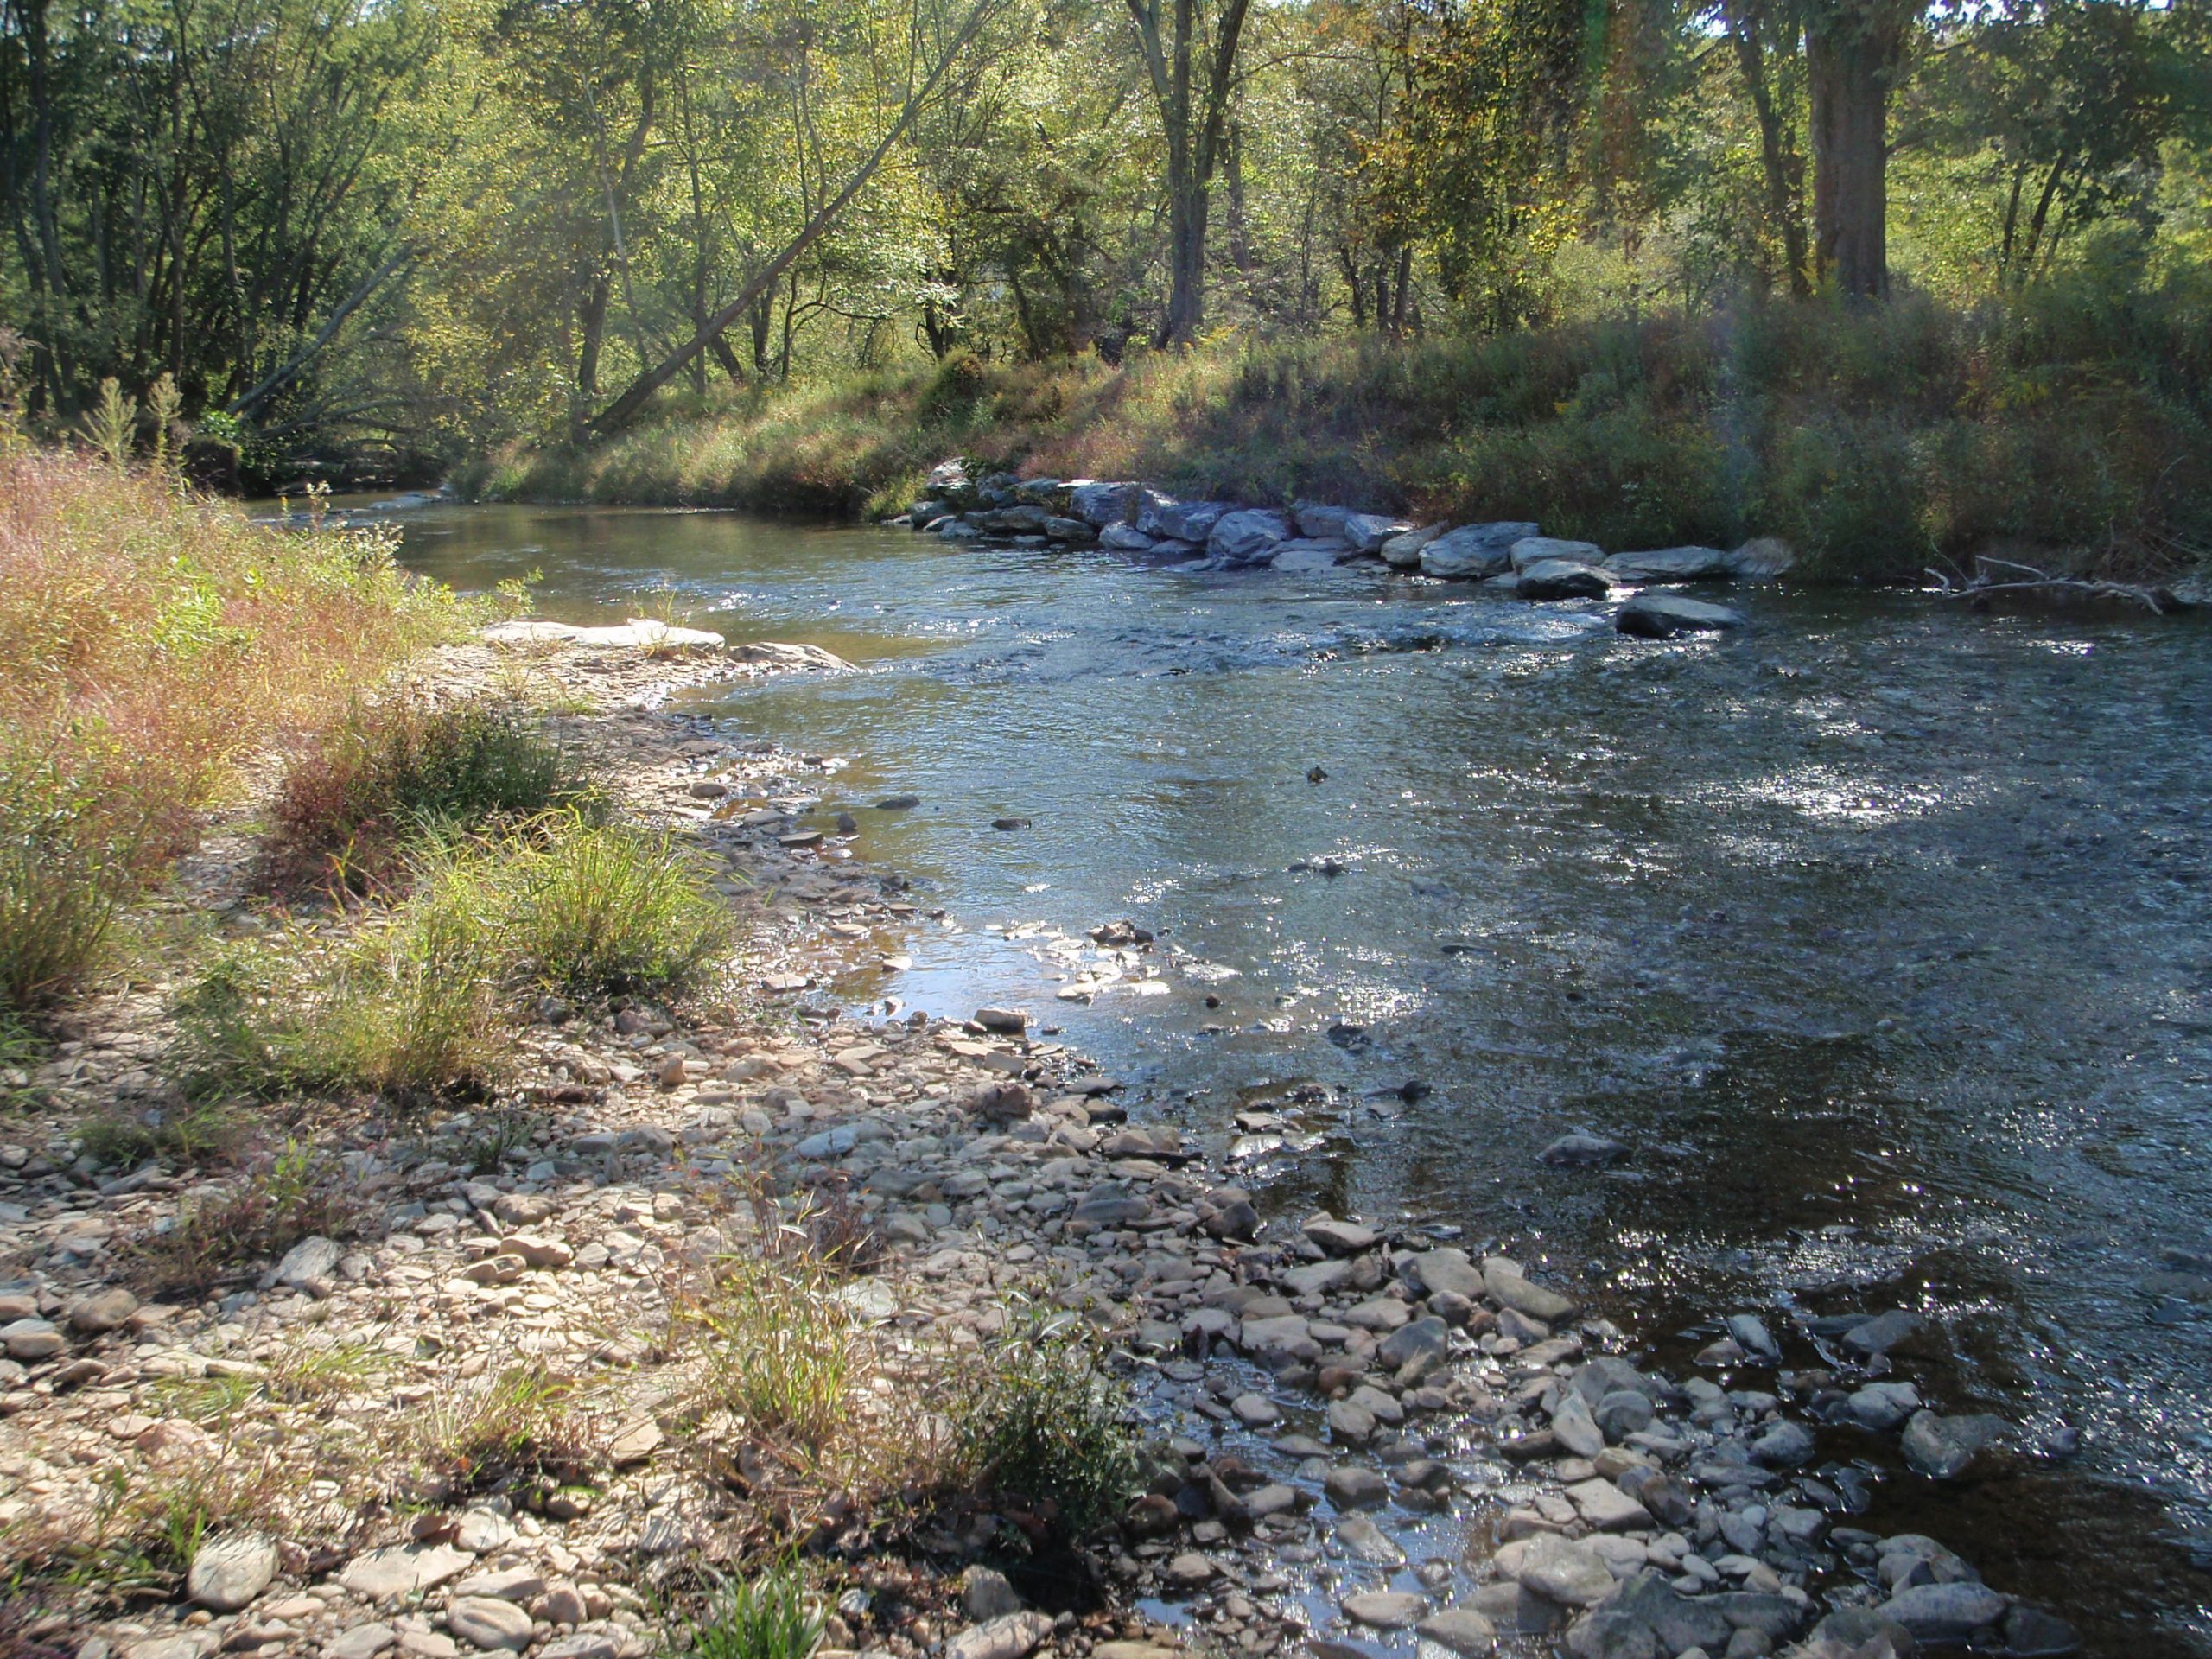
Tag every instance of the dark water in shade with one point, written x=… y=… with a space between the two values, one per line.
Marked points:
x=1884 y=934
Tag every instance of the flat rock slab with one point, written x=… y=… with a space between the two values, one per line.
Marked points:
x=1386 y=1610
x=638 y=634
x=403 y=1569
x=1462 y=1629
x=230 y=1571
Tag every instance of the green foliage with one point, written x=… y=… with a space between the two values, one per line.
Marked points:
x=775 y=1347
x=63 y=873
x=524 y=1423
x=386 y=774
x=407 y=1002
x=603 y=908
x=764 y=1617
x=1044 y=1427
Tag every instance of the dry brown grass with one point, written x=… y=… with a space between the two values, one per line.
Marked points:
x=150 y=640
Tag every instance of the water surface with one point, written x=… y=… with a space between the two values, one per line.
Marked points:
x=1880 y=934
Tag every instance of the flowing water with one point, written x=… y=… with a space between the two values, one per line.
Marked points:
x=1883 y=934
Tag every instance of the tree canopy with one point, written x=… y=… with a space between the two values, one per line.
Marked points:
x=410 y=227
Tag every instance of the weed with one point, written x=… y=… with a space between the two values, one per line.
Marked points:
x=776 y=1350
x=198 y=1133
x=601 y=909
x=147 y=642
x=1045 y=1430
x=407 y=1005
x=282 y=1200
x=765 y=1618
x=385 y=774
x=403 y=1007
x=21 y=1049
x=524 y=1426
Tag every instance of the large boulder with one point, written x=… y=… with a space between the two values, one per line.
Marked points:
x=1762 y=559
x=1181 y=521
x=1943 y=1614
x=1532 y=549
x=1473 y=550
x=1100 y=505
x=1322 y=524
x=1662 y=616
x=1367 y=532
x=1403 y=550
x=1944 y=1446
x=1126 y=538
x=1672 y=564
x=1249 y=536
x=1562 y=579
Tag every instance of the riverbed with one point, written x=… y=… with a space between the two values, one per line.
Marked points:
x=1879 y=934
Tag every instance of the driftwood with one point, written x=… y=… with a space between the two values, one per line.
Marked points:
x=2029 y=580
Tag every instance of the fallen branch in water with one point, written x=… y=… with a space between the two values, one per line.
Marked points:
x=2030 y=580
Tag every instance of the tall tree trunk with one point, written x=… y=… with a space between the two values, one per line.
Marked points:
x=1852 y=51
x=1193 y=117
x=1187 y=263
x=592 y=319
x=1785 y=178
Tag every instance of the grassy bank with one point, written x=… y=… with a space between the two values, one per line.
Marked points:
x=2069 y=423
x=151 y=643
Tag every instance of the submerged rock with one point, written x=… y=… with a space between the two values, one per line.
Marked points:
x=1662 y=616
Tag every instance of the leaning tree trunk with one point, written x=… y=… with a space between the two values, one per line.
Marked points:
x=1852 y=49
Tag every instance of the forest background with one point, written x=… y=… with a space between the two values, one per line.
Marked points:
x=1896 y=281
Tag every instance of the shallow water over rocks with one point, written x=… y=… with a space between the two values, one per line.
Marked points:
x=1876 y=934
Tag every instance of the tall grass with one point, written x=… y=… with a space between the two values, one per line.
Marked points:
x=408 y=1003
x=2073 y=419
x=385 y=774
x=149 y=641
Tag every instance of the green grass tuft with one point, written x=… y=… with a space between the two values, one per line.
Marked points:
x=1045 y=1429
x=384 y=775
x=765 y=1618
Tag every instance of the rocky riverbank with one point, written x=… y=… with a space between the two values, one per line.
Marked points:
x=1357 y=1435
x=1508 y=559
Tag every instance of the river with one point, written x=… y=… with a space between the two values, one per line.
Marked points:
x=1882 y=934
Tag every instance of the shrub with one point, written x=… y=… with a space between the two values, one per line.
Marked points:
x=766 y=1617
x=199 y=1132
x=776 y=1348
x=524 y=1426
x=63 y=873
x=601 y=909
x=404 y=1008
x=384 y=774
x=147 y=642
x=1046 y=1428
x=408 y=1004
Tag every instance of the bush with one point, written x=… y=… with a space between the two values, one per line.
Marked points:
x=525 y=1425
x=63 y=873
x=603 y=909
x=285 y=1197
x=1047 y=1430
x=408 y=1004
x=385 y=774
x=149 y=641
x=777 y=1348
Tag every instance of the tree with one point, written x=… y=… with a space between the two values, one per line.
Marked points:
x=1190 y=60
x=1854 y=53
